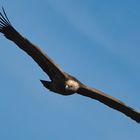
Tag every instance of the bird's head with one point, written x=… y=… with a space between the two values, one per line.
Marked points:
x=72 y=85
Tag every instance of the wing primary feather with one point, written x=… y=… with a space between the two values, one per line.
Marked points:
x=110 y=101
x=3 y=22
x=4 y=19
x=6 y=15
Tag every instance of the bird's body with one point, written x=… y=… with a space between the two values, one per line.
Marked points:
x=61 y=82
x=67 y=86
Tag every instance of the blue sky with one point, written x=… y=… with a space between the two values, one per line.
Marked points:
x=95 y=40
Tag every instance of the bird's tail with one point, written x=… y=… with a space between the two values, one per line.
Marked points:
x=46 y=84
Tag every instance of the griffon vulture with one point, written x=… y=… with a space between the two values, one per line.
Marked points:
x=61 y=82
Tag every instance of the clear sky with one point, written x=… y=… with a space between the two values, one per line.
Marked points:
x=98 y=41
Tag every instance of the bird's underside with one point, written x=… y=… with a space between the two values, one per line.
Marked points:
x=60 y=82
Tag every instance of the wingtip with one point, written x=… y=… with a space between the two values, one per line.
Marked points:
x=136 y=117
x=4 y=21
x=5 y=15
x=138 y=121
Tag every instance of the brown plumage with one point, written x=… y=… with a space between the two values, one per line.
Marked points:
x=61 y=82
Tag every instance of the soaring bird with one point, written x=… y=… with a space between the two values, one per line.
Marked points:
x=60 y=81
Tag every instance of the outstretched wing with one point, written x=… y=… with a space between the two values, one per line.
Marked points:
x=39 y=56
x=109 y=101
